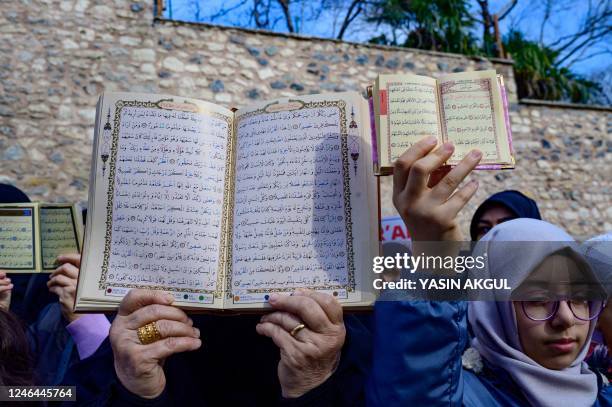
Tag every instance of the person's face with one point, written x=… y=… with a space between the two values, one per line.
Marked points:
x=492 y=217
x=556 y=342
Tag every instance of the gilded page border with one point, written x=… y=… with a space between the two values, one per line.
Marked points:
x=389 y=84
x=351 y=284
x=20 y=207
x=103 y=284
x=485 y=84
x=74 y=230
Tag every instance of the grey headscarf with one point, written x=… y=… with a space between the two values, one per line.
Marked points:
x=494 y=324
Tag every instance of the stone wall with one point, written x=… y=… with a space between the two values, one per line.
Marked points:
x=57 y=56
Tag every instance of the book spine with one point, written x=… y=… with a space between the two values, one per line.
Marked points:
x=373 y=132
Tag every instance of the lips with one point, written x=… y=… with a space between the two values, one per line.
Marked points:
x=563 y=345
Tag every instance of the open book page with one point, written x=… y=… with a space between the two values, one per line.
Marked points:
x=305 y=202
x=156 y=199
x=19 y=250
x=59 y=233
x=472 y=115
x=407 y=111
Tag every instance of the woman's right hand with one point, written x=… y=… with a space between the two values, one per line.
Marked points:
x=423 y=191
x=5 y=290
x=138 y=366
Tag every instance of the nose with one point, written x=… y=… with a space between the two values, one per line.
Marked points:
x=564 y=317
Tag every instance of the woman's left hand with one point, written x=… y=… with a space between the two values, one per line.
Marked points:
x=311 y=355
x=63 y=282
x=6 y=287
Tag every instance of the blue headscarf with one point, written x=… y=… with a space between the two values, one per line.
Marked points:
x=517 y=203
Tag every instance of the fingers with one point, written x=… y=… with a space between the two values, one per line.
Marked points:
x=449 y=183
x=5 y=288
x=329 y=304
x=67 y=270
x=61 y=281
x=72 y=258
x=460 y=198
x=57 y=290
x=156 y=312
x=402 y=165
x=422 y=168
x=304 y=307
x=2 y=274
x=284 y=319
x=279 y=336
x=437 y=175
x=169 y=329
x=138 y=298
x=169 y=346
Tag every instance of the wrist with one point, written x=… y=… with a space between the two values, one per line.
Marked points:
x=296 y=390
x=138 y=386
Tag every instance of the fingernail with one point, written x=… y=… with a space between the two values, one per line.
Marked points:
x=273 y=297
x=474 y=183
x=197 y=332
x=448 y=147
x=476 y=154
x=431 y=140
x=169 y=298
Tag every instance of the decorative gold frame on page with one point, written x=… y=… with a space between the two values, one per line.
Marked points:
x=298 y=105
x=388 y=109
x=485 y=84
x=119 y=105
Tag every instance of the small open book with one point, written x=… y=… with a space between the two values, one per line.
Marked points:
x=223 y=207
x=469 y=109
x=32 y=235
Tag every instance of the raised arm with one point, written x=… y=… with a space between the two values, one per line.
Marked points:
x=418 y=344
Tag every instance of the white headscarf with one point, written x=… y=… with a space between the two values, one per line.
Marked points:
x=494 y=323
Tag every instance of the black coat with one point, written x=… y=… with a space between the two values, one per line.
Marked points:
x=234 y=367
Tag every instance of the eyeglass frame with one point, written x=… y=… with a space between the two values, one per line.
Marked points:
x=556 y=309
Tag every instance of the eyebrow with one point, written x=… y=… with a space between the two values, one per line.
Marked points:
x=506 y=219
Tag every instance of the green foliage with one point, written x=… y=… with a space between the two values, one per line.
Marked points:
x=538 y=76
x=438 y=25
x=446 y=25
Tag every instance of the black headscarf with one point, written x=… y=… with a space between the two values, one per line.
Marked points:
x=30 y=293
x=11 y=194
x=517 y=203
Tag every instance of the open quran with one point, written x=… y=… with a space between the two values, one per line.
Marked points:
x=32 y=235
x=469 y=109
x=222 y=207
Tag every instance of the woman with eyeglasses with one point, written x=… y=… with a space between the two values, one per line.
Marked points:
x=527 y=349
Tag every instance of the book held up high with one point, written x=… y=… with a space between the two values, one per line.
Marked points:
x=470 y=109
x=223 y=207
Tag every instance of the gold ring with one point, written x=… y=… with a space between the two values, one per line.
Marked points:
x=297 y=329
x=148 y=333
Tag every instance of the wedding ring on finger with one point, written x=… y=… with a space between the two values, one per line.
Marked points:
x=148 y=333
x=297 y=329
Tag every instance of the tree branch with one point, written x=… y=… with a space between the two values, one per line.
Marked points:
x=350 y=16
x=285 y=7
x=584 y=43
x=506 y=9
